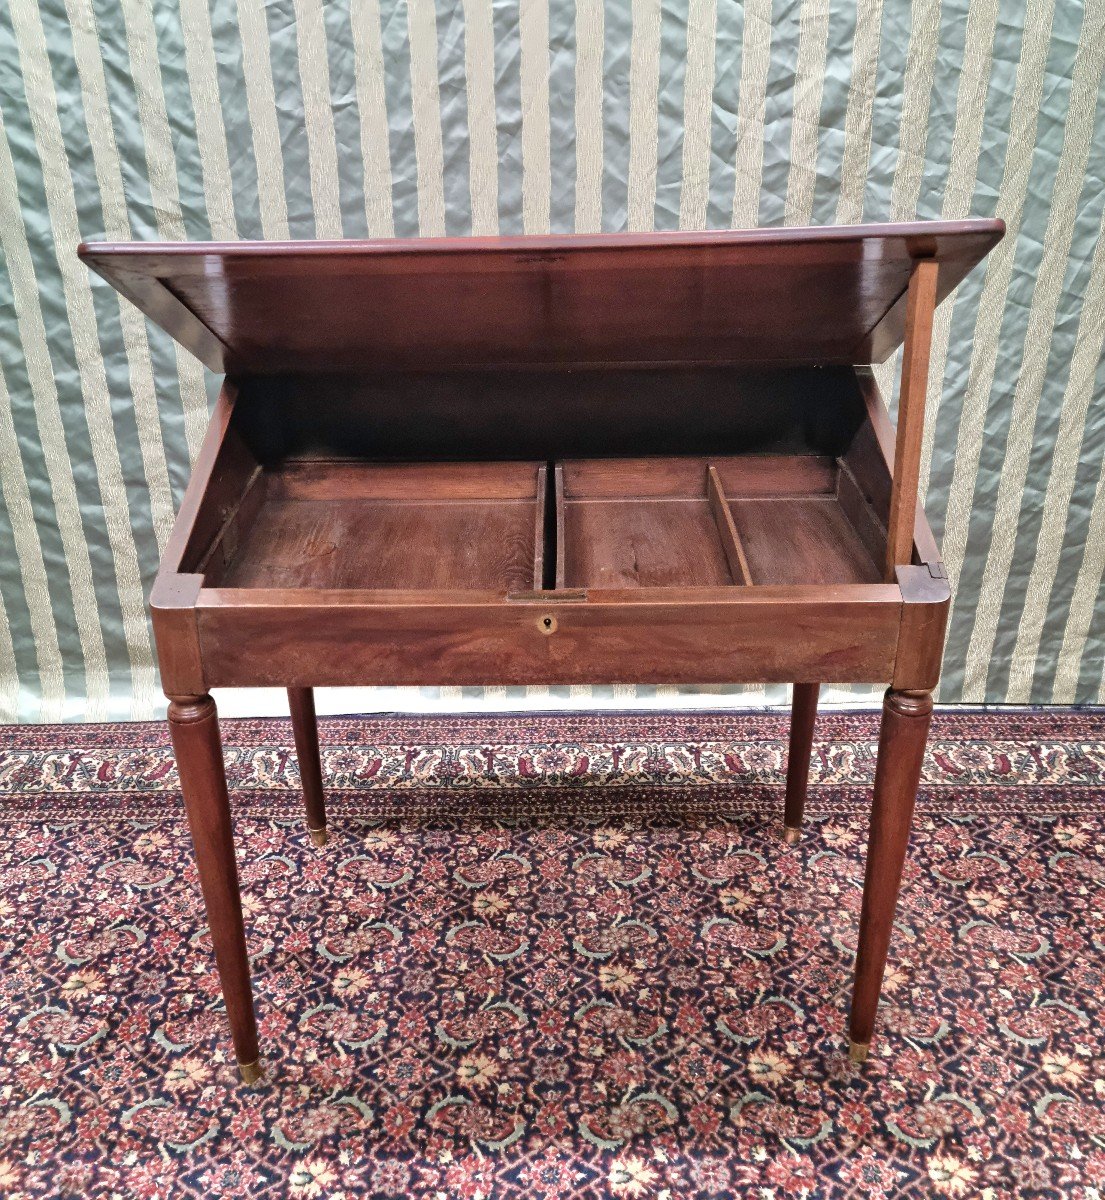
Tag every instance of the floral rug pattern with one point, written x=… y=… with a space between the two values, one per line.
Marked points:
x=556 y=956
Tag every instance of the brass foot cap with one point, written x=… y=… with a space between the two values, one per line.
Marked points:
x=250 y=1072
x=792 y=834
x=858 y=1051
x=318 y=836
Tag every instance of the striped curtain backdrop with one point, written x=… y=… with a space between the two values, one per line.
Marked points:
x=353 y=118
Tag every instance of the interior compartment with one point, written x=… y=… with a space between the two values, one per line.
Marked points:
x=642 y=523
x=740 y=484
x=417 y=526
x=694 y=522
x=801 y=539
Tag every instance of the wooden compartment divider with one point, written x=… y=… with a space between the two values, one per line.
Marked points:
x=726 y=527
x=540 y=528
x=558 y=526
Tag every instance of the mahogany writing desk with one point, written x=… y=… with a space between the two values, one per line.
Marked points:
x=643 y=458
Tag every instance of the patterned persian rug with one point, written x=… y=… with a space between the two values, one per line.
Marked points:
x=556 y=956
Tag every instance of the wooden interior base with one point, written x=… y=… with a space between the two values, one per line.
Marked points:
x=802 y=539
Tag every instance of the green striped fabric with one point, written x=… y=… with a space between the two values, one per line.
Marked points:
x=350 y=118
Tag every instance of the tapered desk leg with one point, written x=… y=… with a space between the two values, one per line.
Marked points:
x=305 y=729
x=905 y=725
x=194 y=726
x=803 y=712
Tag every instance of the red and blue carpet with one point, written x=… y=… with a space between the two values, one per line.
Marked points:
x=556 y=956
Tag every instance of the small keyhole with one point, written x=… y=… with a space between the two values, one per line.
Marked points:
x=547 y=625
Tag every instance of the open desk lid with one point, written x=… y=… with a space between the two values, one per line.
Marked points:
x=762 y=297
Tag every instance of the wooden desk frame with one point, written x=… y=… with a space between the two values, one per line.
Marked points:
x=566 y=614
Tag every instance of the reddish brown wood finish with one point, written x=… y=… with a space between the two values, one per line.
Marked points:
x=905 y=725
x=649 y=635
x=926 y=597
x=643 y=458
x=194 y=726
x=822 y=545
x=176 y=590
x=817 y=295
x=305 y=730
x=911 y=414
x=803 y=713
